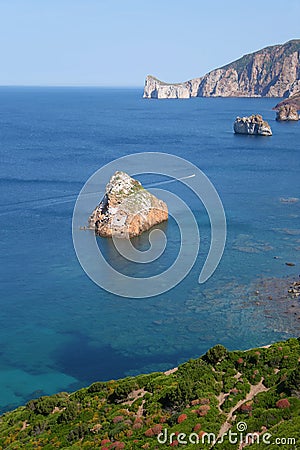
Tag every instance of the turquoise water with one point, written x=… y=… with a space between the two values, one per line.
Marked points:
x=59 y=331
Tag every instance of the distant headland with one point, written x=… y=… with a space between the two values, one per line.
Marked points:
x=273 y=71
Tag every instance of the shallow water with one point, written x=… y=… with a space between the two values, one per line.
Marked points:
x=59 y=330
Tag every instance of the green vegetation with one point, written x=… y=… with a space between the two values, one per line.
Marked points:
x=293 y=46
x=242 y=63
x=260 y=387
x=131 y=190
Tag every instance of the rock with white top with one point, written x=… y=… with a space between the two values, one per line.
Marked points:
x=254 y=125
x=127 y=209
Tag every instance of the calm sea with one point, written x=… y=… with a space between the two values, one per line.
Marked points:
x=59 y=331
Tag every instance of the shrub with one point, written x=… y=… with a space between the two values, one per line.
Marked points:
x=283 y=403
x=216 y=354
x=39 y=428
x=173 y=419
x=123 y=389
x=181 y=418
x=246 y=407
x=292 y=383
x=78 y=433
x=203 y=410
x=43 y=405
x=96 y=387
x=68 y=414
x=157 y=429
x=149 y=432
x=116 y=429
x=119 y=445
x=118 y=419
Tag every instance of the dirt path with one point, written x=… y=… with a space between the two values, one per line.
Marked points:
x=254 y=390
x=221 y=399
x=140 y=410
x=169 y=372
x=134 y=395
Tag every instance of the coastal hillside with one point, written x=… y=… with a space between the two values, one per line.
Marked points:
x=271 y=72
x=221 y=392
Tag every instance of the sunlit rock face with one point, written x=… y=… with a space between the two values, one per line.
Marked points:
x=252 y=125
x=127 y=209
x=271 y=72
x=287 y=113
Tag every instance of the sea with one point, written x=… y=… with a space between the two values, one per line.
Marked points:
x=59 y=330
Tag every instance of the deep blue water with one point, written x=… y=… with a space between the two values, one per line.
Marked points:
x=60 y=331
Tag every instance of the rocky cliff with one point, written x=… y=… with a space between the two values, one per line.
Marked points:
x=287 y=110
x=127 y=209
x=271 y=72
x=287 y=113
x=155 y=88
x=293 y=100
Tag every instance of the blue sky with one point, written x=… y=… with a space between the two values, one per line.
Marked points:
x=118 y=42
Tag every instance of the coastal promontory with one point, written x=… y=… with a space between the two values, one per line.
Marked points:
x=292 y=100
x=273 y=71
x=127 y=209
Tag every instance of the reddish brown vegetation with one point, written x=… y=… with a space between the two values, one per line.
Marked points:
x=283 y=403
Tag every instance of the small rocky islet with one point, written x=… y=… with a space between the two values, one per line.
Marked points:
x=256 y=125
x=253 y=125
x=287 y=110
x=287 y=113
x=127 y=209
x=292 y=101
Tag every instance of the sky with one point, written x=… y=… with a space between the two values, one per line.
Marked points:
x=119 y=42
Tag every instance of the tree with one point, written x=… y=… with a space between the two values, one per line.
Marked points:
x=216 y=354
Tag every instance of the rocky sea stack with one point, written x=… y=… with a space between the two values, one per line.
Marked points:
x=287 y=110
x=271 y=72
x=287 y=113
x=127 y=209
x=252 y=125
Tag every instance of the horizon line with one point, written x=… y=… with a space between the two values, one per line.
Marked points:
x=75 y=86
